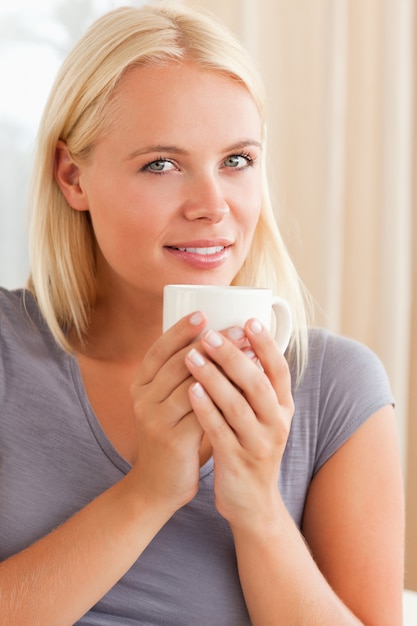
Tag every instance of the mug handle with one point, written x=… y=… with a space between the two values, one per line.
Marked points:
x=283 y=322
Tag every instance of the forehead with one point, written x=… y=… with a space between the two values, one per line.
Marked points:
x=184 y=96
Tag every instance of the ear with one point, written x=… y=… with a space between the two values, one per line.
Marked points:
x=67 y=176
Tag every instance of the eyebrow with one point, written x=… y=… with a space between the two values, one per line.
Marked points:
x=177 y=150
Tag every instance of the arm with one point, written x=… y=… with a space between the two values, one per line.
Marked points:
x=354 y=521
x=281 y=580
x=353 y=524
x=57 y=579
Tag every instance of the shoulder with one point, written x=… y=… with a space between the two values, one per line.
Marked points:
x=10 y=301
x=18 y=310
x=22 y=327
x=13 y=311
x=344 y=384
x=18 y=304
x=335 y=360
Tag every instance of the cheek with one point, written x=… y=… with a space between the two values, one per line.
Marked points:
x=117 y=229
x=120 y=207
x=252 y=209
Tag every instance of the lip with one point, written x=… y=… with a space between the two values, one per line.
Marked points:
x=218 y=251
x=202 y=243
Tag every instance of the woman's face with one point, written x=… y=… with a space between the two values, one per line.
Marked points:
x=174 y=188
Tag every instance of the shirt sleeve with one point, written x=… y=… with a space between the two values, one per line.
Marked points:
x=354 y=385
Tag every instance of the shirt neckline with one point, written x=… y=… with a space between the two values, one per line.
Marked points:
x=103 y=441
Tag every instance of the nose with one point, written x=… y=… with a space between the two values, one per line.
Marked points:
x=205 y=200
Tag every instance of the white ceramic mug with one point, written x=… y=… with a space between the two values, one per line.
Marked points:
x=229 y=306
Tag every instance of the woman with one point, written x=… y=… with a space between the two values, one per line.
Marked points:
x=165 y=479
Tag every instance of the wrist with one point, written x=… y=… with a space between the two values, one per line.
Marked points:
x=267 y=519
x=139 y=503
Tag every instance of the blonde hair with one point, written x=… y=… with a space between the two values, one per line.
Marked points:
x=62 y=243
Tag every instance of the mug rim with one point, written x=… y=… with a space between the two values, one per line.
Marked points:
x=216 y=287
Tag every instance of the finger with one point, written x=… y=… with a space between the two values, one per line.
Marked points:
x=162 y=419
x=172 y=341
x=250 y=354
x=252 y=380
x=173 y=371
x=236 y=335
x=228 y=402
x=213 y=423
x=236 y=365
x=177 y=405
x=272 y=360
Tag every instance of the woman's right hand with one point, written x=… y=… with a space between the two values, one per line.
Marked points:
x=169 y=435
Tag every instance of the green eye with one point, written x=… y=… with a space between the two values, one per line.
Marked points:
x=238 y=161
x=157 y=166
x=234 y=161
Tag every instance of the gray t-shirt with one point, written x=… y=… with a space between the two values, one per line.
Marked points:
x=55 y=458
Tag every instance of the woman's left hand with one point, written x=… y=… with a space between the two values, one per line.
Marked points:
x=245 y=411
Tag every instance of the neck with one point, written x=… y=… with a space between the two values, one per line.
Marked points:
x=123 y=329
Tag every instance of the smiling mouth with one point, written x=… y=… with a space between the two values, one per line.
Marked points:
x=203 y=251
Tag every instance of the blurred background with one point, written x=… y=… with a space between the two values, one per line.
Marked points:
x=341 y=77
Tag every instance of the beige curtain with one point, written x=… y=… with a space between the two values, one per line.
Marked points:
x=341 y=77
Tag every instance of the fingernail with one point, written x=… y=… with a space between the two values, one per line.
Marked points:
x=213 y=339
x=198 y=390
x=196 y=358
x=196 y=319
x=256 y=327
x=235 y=333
